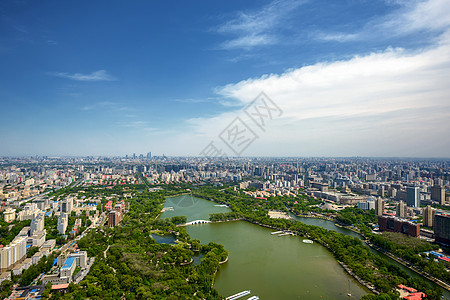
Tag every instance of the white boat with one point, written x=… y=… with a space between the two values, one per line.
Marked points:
x=253 y=298
x=306 y=241
x=238 y=295
x=286 y=233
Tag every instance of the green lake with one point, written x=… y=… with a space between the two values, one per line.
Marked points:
x=272 y=267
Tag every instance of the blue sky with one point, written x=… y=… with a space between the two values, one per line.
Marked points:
x=364 y=78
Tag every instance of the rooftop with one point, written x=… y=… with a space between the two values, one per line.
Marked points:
x=68 y=263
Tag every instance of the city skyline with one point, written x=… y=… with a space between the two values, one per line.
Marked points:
x=68 y=223
x=351 y=79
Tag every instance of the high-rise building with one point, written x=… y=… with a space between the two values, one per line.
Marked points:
x=149 y=155
x=67 y=205
x=4 y=258
x=412 y=196
x=63 y=221
x=37 y=225
x=114 y=218
x=381 y=191
x=428 y=216
x=379 y=206
x=442 y=228
x=438 y=194
x=438 y=181
x=401 y=210
x=13 y=253
x=118 y=207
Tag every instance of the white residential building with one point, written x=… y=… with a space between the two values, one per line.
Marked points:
x=63 y=221
x=37 y=225
x=9 y=215
x=29 y=212
x=13 y=253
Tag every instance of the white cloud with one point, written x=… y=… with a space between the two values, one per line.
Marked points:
x=252 y=29
x=340 y=37
x=100 y=75
x=419 y=15
x=249 y=41
x=431 y=16
x=391 y=103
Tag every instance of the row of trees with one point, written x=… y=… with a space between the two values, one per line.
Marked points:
x=136 y=266
x=9 y=231
x=225 y=216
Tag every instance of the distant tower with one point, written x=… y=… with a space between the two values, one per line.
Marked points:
x=442 y=229
x=401 y=210
x=412 y=196
x=114 y=218
x=438 y=194
x=379 y=206
x=149 y=155
x=428 y=216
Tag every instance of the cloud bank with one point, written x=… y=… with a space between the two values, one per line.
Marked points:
x=390 y=103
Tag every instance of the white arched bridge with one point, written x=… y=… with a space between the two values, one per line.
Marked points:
x=197 y=222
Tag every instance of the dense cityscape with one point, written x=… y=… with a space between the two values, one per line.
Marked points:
x=225 y=150
x=53 y=209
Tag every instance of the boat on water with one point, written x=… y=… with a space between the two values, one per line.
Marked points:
x=238 y=295
x=349 y=291
x=253 y=298
x=306 y=241
x=286 y=233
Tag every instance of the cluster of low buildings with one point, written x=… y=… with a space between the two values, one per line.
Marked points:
x=66 y=265
x=18 y=183
x=409 y=293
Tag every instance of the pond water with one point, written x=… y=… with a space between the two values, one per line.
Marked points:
x=272 y=267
